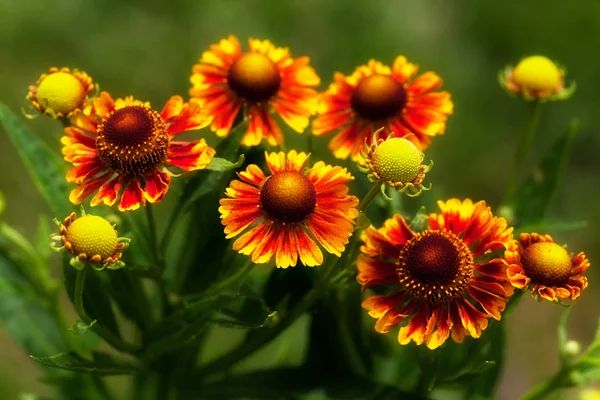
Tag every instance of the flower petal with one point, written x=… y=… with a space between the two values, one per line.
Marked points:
x=132 y=196
x=157 y=185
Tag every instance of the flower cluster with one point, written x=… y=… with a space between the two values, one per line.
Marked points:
x=444 y=279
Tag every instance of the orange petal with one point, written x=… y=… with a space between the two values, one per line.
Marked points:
x=287 y=249
x=309 y=252
x=424 y=83
x=402 y=70
x=343 y=144
x=132 y=196
x=249 y=241
x=190 y=156
x=444 y=323
x=190 y=117
x=157 y=185
x=417 y=326
x=262 y=124
x=253 y=174
x=331 y=232
x=375 y=272
x=78 y=194
x=83 y=172
x=108 y=193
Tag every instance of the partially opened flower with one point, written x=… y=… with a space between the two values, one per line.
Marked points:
x=396 y=162
x=440 y=280
x=536 y=78
x=92 y=240
x=121 y=150
x=282 y=214
x=227 y=80
x=60 y=93
x=377 y=96
x=545 y=268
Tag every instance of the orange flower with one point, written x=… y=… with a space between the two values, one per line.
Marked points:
x=226 y=80
x=287 y=209
x=546 y=268
x=436 y=281
x=124 y=145
x=61 y=92
x=375 y=96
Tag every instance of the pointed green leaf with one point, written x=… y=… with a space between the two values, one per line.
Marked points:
x=45 y=166
x=102 y=364
x=184 y=326
x=535 y=194
x=81 y=328
x=221 y=164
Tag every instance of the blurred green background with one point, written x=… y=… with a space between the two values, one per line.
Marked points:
x=147 y=48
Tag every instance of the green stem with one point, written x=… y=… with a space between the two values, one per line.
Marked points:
x=371 y=194
x=256 y=342
x=546 y=388
x=154 y=237
x=523 y=146
x=102 y=331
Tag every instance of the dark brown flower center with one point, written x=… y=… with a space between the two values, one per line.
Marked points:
x=435 y=266
x=546 y=263
x=132 y=140
x=254 y=77
x=288 y=196
x=378 y=97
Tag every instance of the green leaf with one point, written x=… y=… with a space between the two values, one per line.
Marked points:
x=102 y=364
x=247 y=312
x=563 y=338
x=45 y=166
x=183 y=327
x=81 y=328
x=221 y=164
x=128 y=293
x=420 y=222
x=535 y=194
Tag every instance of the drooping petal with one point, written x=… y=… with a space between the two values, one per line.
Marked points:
x=132 y=197
x=190 y=156
x=108 y=193
x=189 y=117
x=157 y=185
x=375 y=272
x=308 y=251
x=82 y=191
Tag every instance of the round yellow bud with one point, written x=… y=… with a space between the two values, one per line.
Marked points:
x=547 y=263
x=92 y=235
x=397 y=160
x=537 y=73
x=60 y=92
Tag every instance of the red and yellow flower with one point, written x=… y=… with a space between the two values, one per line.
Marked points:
x=282 y=213
x=121 y=149
x=546 y=268
x=227 y=79
x=61 y=93
x=437 y=279
x=376 y=96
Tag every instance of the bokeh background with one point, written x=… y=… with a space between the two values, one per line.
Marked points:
x=147 y=48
